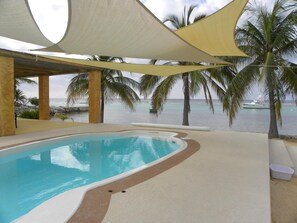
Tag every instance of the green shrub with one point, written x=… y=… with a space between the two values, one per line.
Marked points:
x=62 y=116
x=34 y=114
x=34 y=101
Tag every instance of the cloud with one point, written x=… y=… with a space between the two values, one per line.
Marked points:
x=51 y=17
x=166 y=7
x=11 y=44
x=163 y=8
x=57 y=84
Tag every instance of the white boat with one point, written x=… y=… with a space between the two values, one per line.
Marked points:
x=256 y=104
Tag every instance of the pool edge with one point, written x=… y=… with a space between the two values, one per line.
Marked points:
x=94 y=201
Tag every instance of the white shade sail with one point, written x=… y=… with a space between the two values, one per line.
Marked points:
x=126 y=29
x=215 y=33
x=16 y=22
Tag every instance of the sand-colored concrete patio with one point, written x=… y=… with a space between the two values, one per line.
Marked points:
x=227 y=180
x=32 y=125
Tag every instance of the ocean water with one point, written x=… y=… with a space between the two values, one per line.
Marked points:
x=247 y=120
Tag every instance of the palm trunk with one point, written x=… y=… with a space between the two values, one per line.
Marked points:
x=102 y=106
x=186 y=99
x=273 y=131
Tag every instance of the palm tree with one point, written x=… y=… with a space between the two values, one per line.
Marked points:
x=193 y=82
x=113 y=84
x=19 y=97
x=269 y=37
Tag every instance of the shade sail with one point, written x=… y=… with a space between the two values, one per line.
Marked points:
x=160 y=70
x=16 y=22
x=215 y=33
x=125 y=29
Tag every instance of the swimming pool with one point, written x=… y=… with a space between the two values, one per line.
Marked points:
x=36 y=172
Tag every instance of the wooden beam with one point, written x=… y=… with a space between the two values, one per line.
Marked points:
x=94 y=96
x=44 y=110
x=7 y=124
x=29 y=65
x=30 y=59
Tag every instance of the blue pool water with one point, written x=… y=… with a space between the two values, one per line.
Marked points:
x=33 y=176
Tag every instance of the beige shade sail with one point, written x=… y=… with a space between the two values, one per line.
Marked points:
x=125 y=29
x=215 y=33
x=16 y=22
x=159 y=70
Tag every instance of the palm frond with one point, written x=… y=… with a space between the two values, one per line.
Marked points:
x=199 y=17
x=173 y=20
x=188 y=13
x=162 y=91
x=113 y=84
x=22 y=80
x=289 y=78
x=128 y=81
x=238 y=88
x=148 y=83
x=125 y=93
x=77 y=88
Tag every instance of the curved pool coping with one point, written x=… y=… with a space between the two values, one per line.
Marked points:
x=90 y=203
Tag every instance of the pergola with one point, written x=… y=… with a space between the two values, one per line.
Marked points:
x=15 y=65
x=93 y=30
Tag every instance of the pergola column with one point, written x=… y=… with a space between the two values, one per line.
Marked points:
x=7 y=96
x=94 y=96
x=44 y=109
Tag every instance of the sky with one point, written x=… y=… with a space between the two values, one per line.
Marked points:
x=51 y=16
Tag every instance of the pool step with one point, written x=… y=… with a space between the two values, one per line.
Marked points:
x=169 y=126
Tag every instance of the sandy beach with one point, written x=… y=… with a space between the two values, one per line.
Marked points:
x=283 y=200
x=283 y=197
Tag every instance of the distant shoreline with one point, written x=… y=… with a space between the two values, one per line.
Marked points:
x=178 y=99
x=247 y=120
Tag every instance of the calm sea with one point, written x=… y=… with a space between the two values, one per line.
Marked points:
x=247 y=120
